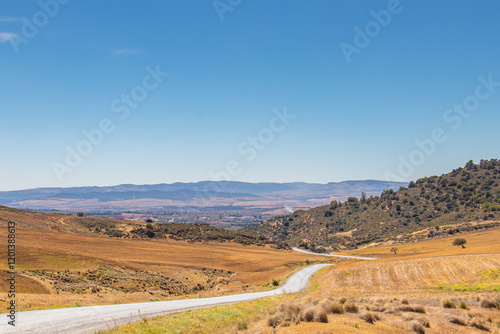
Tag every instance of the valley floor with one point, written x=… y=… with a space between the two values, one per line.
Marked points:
x=62 y=269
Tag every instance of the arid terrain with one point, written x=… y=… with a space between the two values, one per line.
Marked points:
x=427 y=287
x=60 y=264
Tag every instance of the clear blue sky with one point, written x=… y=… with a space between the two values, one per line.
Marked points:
x=353 y=119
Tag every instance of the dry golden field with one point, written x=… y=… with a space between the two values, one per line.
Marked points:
x=422 y=276
x=60 y=265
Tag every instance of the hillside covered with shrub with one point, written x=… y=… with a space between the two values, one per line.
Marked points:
x=467 y=198
x=125 y=229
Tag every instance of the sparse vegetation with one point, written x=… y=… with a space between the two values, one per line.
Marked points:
x=351 y=308
x=321 y=316
x=414 y=213
x=417 y=327
x=449 y=304
x=457 y=321
x=331 y=307
x=408 y=308
x=479 y=325
x=370 y=318
x=489 y=303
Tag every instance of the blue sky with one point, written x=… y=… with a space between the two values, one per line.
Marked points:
x=233 y=66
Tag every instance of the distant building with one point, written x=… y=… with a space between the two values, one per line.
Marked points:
x=79 y=214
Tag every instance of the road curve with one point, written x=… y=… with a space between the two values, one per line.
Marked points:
x=80 y=320
x=345 y=256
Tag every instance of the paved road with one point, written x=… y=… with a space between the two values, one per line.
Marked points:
x=79 y=320
x=346 y=256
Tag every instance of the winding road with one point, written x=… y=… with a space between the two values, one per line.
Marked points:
x=79 y=320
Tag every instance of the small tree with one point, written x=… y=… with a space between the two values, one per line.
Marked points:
x=459 y=242
x=394 y=250
x=363 y=197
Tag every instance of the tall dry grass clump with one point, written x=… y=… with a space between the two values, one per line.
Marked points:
x=351 y=308
x=321 y=316
x=308 y=315
x=489 y=303
x=416 y=309
x=293 y=313
x=331 y=307
x=370 y=318
x=457 y=321
x=448 y=304
x=479 y=325
x=413 y=319
x=417 y=327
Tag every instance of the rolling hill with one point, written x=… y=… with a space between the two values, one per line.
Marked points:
x=465 y=199
x=63 y=260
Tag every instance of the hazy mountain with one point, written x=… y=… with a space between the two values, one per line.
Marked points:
x=200 y=194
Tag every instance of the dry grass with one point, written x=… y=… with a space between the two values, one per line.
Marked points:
x=409 y=274
x=479 y=325
x=483 y=242
x=457 y=321
x=351 y=308
x=330 y=307
x=449 y=304
x=415 y=309
x=417 y=327
x=321 y=316
x=370 y=318
x=412 y=318
x=24 y=285
x=489 y=303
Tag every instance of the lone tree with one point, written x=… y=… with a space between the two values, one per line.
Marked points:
x=394 y=249
x=459 y=242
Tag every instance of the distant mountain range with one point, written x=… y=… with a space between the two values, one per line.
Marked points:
x=265 y=196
